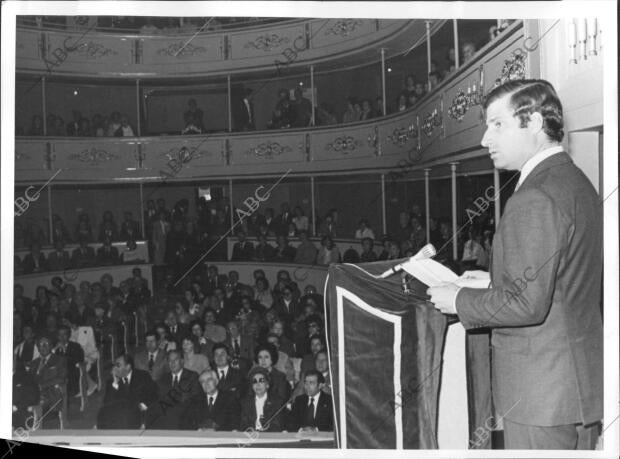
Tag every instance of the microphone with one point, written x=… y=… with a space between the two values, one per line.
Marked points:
x=428 y=251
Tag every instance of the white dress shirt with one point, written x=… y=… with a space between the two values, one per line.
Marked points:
x=259 y=403
x=315 y=400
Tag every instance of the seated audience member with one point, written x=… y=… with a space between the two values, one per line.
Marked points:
x=260 y=410
x=25 y=395
x=317 y=343
x=176 y=330
x=130 y=229
x=309 y=326
x=409 y=86
x=306 y=250
x=402 y=103
x=50 y=374
x=114 y=126
x=36 y=128
x=129 y=395
x=59 y=258
x=284 y=363
x=213 y=331
x=166 y=343
x=263 y=295
x=213 y=409
x=151 y=358
x=35 y=261
x=350 y=256
x=328 y=253
x=74 y=356
x=367 y=111
x=196 y=114
x=364 y=230
x=351 y=115
x=266 y=356
x=286 y=306
x=107 y=255
x=434 y=78
x=312 y=411
x=263 y=251
x=83 y=256
x=469 y=50
x=230 y=379
x=74 y=125
x=84 y=128
x=240 y=344
x=191 y=126
x=283 y=252
x=302 y=109
x=474 y=255
x=327 y=227
x=191 y=359
x=175 y=390
x=126 y=129
x=283 y=113
x=83 y=230
x=242 y=250
x=321 y=363
x=204 y=346
x=286 y=345
x=368 y=254
x=420 y=89
x=27 y=350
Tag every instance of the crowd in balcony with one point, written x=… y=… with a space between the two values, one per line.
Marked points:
x=114 y=125
x=236 y=341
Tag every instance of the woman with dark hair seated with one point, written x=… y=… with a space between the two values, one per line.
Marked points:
x=266 y=356
x=261 y=409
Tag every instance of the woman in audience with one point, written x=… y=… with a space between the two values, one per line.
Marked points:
x=266 y=356
x=350 y=115
x=300 y=220
x=263 y=296
x=192 y=360
x=114 y=127
x=409 y=86
x=328 y=253
x=83 y=231
x=367 y=111
x=401 y=103
x=363 y=230
x=261 y=409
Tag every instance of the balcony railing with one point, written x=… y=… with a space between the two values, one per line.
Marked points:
x=447 y=122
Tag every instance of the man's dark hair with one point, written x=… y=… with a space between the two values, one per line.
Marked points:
x=220 y=346
x=151 y=333
x=529 y=96
x=128 y=359
x=319 y=376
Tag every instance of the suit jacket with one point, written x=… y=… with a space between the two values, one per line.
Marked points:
x=83 y=260
x=51 y=379
x=287 y=314
x=234 y=382
x=58 y=261
x=246 y=347
x=245 y=120
x=107 y=258
x=272 y=422
x=323 y=417
x=243 y=252
x=29 y=267
x=544 y=302
x=120 y=408
x=73 y=355
x=173 y=401
x=25 y=394
x=225 y=413
x=160 y=367
x=158 y=237
x=181 y=331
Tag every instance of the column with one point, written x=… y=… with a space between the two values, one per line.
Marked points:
x=427 y=204
x=383 y=215
x=383 y=81
x=50 y=213
x=43 y=106
x=428 y=53
x=312 y=205
x=454 y=216
x=139 y=117
x=312 y=91
x=141 y=191
x=232 y=213
x=456 y=43
x=229 y=107
x=496 y=185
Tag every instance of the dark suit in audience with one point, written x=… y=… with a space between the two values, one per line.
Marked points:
x=279 y=387
x=51 y=377
x=121 y=404
x=57 y=261
x=173 y=400
x=83 y=257
x=34 y=263
x=25 y=394
x=243 y=251
x=233 y=382
x=322 y=418
x=157 y=369
x=74 y=355
x=223 y=415
x=107 y=256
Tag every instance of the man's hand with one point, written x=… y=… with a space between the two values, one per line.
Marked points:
x=442 y=296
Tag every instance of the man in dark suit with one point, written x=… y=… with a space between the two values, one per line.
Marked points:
x=74 y=357
x=242 y=250
x=50 y=374
x=129 y=395
x=213 y=409
x=35 y=261
x=59 y=258
x=107 y=255
x=152 y=359
x=175 y=389
x=543 y=303
x=260 y=410
x=287 y=307
x=230 y=379
x=245 y=112
x=283 y=220
x=313 y=410
x=25 y=395
x=177 y=331
x=83 y=256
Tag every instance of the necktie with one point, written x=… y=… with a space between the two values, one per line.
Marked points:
x=236 y=346
x=210 y=402
x=175 y=381
x=222 y=375
x=310 y=413
x=151 y=362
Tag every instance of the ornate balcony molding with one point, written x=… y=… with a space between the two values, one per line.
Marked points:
x=95 y=50
x=268 y=150
x=430 y=122
x=344 y=144
x=181 y=48
x=514 y=67
x=401 y=135
x=267 y=42
x=93 y=156
x=344 y=27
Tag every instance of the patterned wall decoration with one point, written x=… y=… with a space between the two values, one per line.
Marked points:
x=268 y=150
x=344 y=27
x=180 y=48
x=267 y=42
x=400 y=136
x=95 y=50
x=514 y=67
x=345 y=144
x=185 y=154
x=19 y=156
x=93 y=156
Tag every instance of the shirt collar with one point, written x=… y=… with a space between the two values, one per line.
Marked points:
x=128 y=377
x=535 y=160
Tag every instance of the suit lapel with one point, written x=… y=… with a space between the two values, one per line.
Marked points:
x=552 y=161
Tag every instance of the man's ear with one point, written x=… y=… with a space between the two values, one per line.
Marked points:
x=536 y=123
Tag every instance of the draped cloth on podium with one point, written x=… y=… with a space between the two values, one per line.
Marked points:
x=385 y=352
